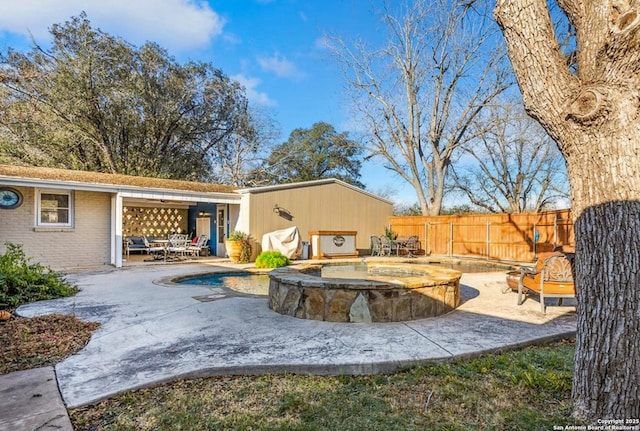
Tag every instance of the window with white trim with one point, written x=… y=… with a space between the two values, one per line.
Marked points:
x=54 y=207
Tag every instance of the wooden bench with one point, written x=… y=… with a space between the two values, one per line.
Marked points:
x=552 y=277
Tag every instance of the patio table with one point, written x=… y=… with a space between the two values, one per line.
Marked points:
x=398 y=244
x=164 y=244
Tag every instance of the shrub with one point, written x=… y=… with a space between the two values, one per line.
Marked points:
x=22 y=282
x=272 y=259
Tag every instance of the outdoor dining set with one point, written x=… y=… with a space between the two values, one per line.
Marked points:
x=385 y=246
x=173 y=247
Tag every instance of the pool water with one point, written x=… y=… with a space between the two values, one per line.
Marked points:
x=359 y=270
x=258 y=284
x=242 y=282
x=473 y=267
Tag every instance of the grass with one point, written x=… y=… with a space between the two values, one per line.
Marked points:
x=527 y=389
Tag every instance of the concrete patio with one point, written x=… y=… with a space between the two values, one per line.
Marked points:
x=153 y=332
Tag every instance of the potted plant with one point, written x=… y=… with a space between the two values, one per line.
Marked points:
x=391 y=235
x=238 y=246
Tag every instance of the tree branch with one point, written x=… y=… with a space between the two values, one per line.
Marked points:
x=540 y=67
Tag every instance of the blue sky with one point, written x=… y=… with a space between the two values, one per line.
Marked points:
x=275 y=48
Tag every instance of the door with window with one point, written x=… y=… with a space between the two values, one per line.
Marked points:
x=203 y=227
x=221 y=231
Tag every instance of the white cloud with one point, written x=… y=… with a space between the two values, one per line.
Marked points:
x=323 y=43
x=173 y=24
x=250 y=84
x=232 y=39
x=279 y=65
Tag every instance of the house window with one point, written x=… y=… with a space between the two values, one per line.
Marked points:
x=55 y=207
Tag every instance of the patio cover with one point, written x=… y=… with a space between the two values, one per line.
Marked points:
x=286 y=241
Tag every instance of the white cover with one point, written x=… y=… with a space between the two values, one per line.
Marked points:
x=286 y=241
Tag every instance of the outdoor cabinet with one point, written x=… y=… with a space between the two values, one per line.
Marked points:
x=333 y=244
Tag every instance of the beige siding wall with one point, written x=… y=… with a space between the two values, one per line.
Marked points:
x=320 y=207
x=86 y=244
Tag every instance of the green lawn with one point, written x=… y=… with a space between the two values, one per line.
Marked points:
x=527 y=389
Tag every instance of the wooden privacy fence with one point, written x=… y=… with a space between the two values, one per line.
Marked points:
x=513 y=237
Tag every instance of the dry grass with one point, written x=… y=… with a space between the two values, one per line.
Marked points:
x=41 y=341
x=110 y=179
x=528 y=389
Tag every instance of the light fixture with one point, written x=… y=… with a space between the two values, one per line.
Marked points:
x=282 y=212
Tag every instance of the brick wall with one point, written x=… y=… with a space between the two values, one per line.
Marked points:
x=87 y=243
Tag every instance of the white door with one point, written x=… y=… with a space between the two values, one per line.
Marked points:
x=203 y=226
x=221 y=233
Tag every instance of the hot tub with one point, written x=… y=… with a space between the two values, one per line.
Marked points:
x=388 y=292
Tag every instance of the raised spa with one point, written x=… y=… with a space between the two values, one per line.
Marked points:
x=387 y=292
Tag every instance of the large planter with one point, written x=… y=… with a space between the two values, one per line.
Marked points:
x=234 y=250
x=513 y=278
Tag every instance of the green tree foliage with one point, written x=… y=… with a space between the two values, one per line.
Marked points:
x=312 y=154
x=94 y=102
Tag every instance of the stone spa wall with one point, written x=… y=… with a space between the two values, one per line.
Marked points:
x=391 y=292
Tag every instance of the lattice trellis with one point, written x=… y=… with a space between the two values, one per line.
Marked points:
x=137 y=221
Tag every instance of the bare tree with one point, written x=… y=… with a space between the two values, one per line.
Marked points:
x=245 y=151
x=513 y=166
x=588 y=101
x=417 y=96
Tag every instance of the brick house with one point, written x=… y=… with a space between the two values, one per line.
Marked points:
x=66 y=218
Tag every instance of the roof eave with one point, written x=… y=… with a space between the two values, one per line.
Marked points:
x=312 y=183
x=124 y=190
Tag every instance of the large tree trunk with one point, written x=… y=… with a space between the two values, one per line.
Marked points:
x=607 y=361
x=604 y=179
x=593 y=116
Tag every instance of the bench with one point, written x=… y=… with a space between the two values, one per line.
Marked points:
x=135 y=243
x=552 y=277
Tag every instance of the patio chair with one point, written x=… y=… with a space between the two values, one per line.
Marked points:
x=178 y=244
x=552 y=277
x=157 y=250
x=194 y=248
x=386 y=246
x=411 y=245
x=376 y=245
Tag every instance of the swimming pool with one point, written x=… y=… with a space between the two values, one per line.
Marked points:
x=243 y=282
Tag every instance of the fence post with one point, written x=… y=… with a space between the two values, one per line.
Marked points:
x=535 y=240
x=488 y=238
x=427 y=245
x=450 y=238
